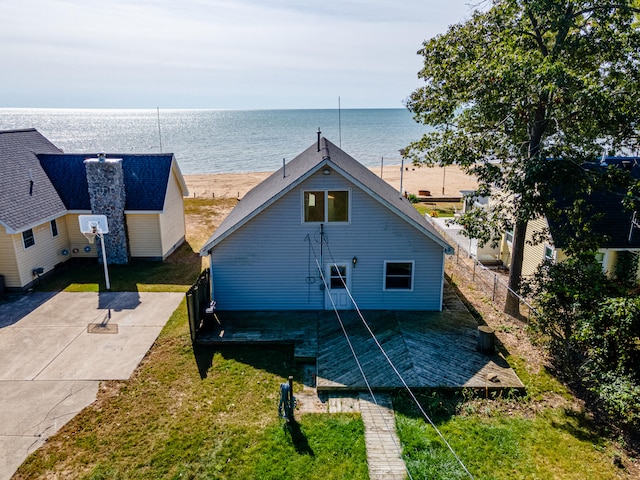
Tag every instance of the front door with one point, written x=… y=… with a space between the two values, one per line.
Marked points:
x=338 y=275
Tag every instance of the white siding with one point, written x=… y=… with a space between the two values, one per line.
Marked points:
x=270 y=263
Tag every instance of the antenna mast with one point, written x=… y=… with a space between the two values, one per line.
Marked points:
x=159 y=131
x=339 y=125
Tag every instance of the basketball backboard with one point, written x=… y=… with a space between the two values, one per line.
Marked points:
x=92 y=225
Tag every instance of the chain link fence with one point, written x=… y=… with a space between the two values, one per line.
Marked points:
x=491 y=281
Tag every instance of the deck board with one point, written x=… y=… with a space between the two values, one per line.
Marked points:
x=427 y=349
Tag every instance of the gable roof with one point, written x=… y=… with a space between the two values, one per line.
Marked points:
x=146 y=177
x=24 y=205
x=313 y=159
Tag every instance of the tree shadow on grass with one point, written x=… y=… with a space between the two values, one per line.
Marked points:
x=298 y=438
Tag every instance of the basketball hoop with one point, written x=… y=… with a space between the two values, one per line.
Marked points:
x=90 y=226
x=91 y=236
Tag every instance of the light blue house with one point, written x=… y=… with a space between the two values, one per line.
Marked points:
x=325 y=212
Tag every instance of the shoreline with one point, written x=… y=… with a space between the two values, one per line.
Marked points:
x=440 y=181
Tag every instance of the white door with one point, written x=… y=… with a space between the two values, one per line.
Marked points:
x=338 y=275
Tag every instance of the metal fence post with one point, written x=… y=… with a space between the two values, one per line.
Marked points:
x=495 y=284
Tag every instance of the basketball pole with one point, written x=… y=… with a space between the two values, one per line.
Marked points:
x=104 y=262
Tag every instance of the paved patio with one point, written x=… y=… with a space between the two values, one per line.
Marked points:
x=428 y=349
x=54 y=351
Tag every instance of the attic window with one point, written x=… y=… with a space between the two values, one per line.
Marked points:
x=326 y=206
x=548 y=253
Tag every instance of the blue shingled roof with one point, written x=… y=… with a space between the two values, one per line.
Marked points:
x=146 y=177
x=615 y=223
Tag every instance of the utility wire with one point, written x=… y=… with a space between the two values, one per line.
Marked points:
x=353 y=352
x=404 y=383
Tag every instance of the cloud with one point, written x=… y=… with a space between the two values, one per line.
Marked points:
x=215 y=54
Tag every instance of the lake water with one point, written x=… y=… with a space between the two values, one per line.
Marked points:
x=221 y=141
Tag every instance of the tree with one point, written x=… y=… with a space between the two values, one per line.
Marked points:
x=524 y=82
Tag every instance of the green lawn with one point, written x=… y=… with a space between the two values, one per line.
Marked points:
x=208 y=413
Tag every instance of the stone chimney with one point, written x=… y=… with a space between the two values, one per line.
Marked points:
x=107 y=195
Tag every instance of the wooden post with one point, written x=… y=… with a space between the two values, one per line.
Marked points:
x=290 y=399
x=486 y=340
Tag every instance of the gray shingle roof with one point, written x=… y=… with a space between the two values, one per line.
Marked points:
x=302 y=167
x=23 y=206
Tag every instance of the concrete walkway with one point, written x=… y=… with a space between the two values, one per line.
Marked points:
x=54 y=351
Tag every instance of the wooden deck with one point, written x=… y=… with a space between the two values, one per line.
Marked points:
x=428 y=349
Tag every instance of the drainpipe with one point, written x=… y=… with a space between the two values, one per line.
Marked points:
x=213 y=298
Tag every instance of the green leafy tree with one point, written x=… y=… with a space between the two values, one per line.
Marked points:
x=522 y=82
x=567 y=294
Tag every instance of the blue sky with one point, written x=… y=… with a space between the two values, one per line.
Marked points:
x=238 y=54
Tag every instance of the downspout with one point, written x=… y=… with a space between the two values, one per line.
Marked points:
x=444 y=259
x=213 y=298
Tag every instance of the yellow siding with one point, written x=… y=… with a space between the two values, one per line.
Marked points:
x=144 y=235
x=77 y=241
x=46 y=253
x=533 y=253
x=172 y=226
x=8 y=264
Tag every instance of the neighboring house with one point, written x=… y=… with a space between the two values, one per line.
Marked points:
x=616 y=224
x=43 y=190
x=324 y=210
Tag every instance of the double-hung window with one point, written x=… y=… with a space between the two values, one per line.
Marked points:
x=28 y=240
x=398 y=275
x=508 y=234
x=326 y=206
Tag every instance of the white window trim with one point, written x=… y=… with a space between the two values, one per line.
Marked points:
x=33 y=235
x=553 y=253
x=326 y=205
x=605 y=259
x=507 y=232
x=384 y=276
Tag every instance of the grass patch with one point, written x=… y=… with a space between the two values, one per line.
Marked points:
x=176 y=274
x=501 y=442
x=200 y=413
x=440 y=209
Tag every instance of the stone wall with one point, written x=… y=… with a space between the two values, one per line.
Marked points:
x=107 y=194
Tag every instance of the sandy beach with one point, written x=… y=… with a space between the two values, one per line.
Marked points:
x=434 y=179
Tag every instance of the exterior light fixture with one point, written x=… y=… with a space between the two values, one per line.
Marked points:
x=354 y=260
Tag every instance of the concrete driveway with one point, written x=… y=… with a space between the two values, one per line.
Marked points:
x=55 y=349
